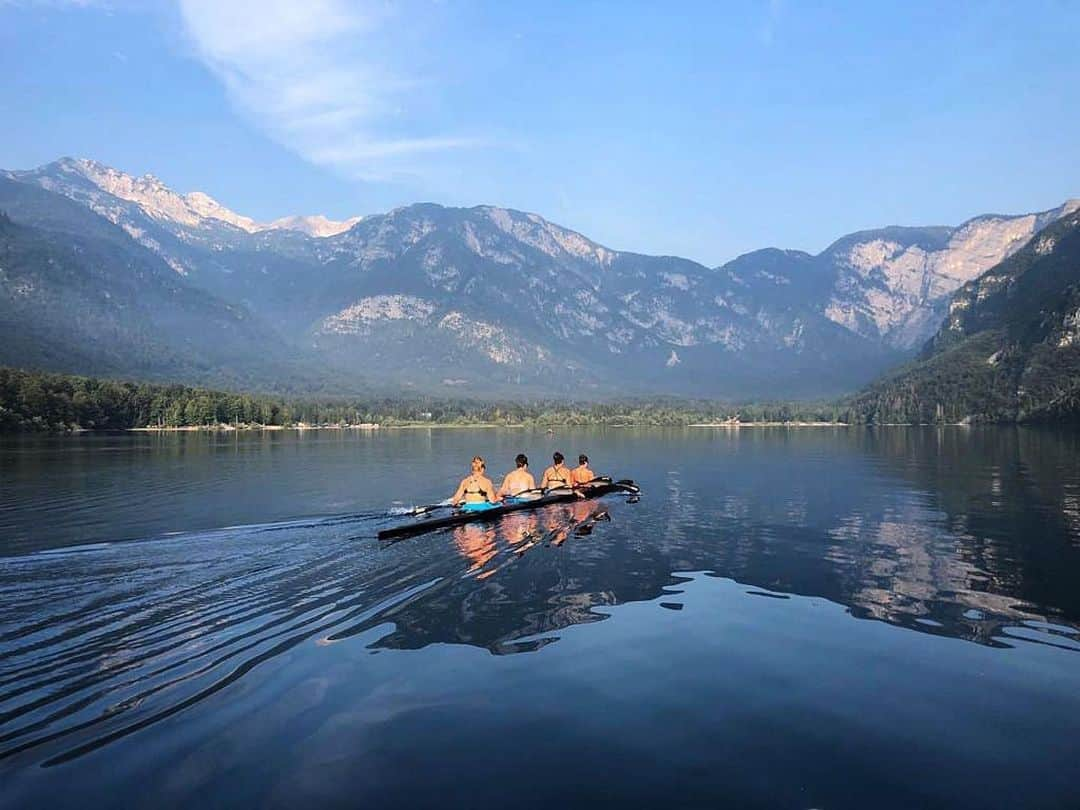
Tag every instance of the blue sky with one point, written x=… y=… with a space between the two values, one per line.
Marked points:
x=697 y=129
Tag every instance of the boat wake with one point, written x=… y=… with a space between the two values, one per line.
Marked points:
x=98 y=642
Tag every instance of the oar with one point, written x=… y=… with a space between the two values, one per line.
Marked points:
x=527 y=491
x=432 y=507
x=600 y=479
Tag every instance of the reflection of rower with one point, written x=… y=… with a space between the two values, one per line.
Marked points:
x=556 y=519
x=557 y=476
x=580 y=511
x=519 y=527
x=476 y=544
x=475 y=491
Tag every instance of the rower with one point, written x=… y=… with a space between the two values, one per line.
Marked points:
x=557 y=476
x=475 y=492
x=581 y=475
x=519 y=481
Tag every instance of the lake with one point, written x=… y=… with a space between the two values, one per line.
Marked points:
x=803 y=618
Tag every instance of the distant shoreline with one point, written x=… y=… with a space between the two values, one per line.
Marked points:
x=253 y=428
x=766 y=424
x=372 y=427
x=473 y=426
x=243 y=428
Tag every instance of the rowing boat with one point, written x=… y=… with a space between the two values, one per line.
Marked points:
x=494 y=513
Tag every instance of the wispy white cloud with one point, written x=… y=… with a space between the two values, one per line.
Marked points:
x=773 y=14
x=309 y=72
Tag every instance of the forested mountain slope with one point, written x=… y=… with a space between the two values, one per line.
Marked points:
x=1009 y=349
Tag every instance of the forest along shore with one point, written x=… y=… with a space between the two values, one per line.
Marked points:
x=301 y=427
x=463 y=426
x=224 y=427
x=736 y=425
x=34 y=401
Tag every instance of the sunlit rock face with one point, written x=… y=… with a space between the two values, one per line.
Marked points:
x=1008 y=348
x=898 y=290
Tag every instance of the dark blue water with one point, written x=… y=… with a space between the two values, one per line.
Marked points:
x=807 y=618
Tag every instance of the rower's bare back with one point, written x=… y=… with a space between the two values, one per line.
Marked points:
x=475 y=489
x=581 y=475
x=517 y=482
x=556 y=477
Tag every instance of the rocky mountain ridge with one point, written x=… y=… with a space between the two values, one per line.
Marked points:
x=1009 y=349
x=195 y=209
x=503 y=301
x=895 y=287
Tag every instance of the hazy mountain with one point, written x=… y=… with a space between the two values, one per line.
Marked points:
x=490 y=300
x=77 y=294
x=220 y=254
x=505 y=296
x=1009 y=348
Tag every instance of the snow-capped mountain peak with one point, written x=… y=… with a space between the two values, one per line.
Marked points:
x=155 y=198
x=193 y=210
x=206 y=207
x=317 y=225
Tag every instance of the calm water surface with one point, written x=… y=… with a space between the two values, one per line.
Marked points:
x=812 y=618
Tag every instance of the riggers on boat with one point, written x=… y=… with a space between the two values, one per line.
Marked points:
x=490 y=512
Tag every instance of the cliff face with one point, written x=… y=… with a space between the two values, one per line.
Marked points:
x=896 y=286
x=1009 y=348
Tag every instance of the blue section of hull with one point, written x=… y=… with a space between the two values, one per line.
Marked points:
x=480 y=506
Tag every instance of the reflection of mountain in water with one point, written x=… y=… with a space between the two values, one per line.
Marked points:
x=959 y=532
x=997 y=542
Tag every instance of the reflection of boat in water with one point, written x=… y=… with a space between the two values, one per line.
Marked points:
x=479 y=543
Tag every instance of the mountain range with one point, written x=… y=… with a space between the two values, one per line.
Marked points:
x=1009 y=348
x=107 y=273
